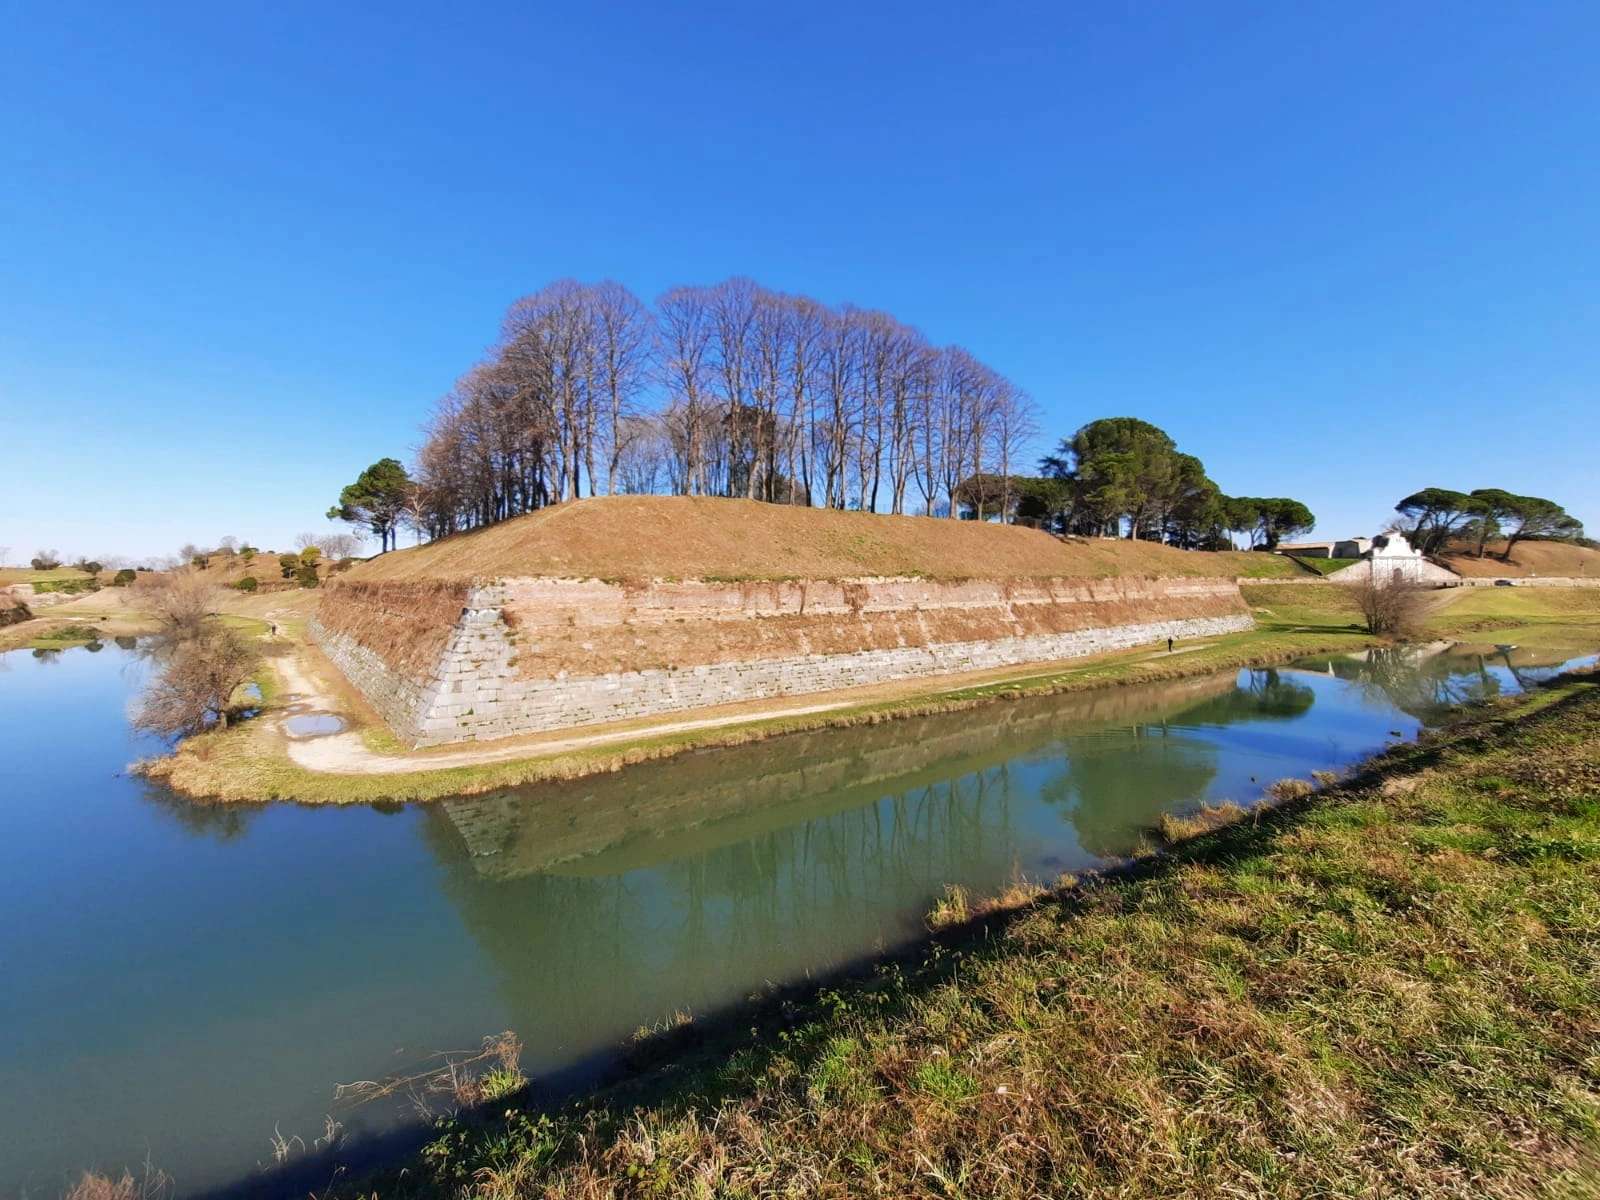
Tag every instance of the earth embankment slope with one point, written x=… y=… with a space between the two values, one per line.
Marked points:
x=1546 y=560
x=607 y=610
x=637 y=538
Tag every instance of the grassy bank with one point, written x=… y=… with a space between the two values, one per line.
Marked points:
x=249 y=762
x=1388 y=988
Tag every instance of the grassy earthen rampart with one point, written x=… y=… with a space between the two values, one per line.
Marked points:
x=643 y=538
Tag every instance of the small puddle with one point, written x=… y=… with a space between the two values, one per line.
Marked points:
x=312 y=725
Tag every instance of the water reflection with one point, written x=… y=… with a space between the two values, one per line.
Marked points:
x=677 y=885
x=1428 y=680
x=216 y=821
x=571 y=913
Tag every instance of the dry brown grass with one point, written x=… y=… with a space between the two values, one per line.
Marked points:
x=406 y=623
x=694 y=537
x=150 y=1185
x=1558 y=560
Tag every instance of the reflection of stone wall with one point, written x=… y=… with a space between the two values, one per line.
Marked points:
x=539 y=654
x=654 y=812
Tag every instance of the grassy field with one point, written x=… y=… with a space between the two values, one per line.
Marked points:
x=1389 y=988
x=1472 y=609
x=661 y=537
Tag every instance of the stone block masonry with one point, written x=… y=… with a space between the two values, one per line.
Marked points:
x=535 y=655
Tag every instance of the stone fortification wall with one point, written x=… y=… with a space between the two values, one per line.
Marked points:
x=539 y=654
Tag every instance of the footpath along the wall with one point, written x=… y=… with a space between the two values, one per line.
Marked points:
x=532 y=655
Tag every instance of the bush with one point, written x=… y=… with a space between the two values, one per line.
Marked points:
x=246 y=553
x=247 y=584
x=307 y=575
x=45 y=560
x=289 y=565
x=87 y=565
x=69 y=587
x=1389 y=609
x=123 y=577
x=193 y=687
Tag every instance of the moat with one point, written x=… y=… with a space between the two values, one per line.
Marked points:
x=186 y=981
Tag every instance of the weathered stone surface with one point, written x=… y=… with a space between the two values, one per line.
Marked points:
x=533 y=655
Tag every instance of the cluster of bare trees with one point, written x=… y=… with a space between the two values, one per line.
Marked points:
x=730 y=390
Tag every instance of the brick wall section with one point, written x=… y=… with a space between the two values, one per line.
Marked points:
x=535 y=655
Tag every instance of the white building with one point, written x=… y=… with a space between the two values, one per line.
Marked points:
x=1392 y=560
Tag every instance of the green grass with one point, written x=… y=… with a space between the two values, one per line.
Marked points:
x=1261 y=565
x=1386 y=989
x=1489 y=608
x=1327 y=566
x=1287 y=607
x=75 y=586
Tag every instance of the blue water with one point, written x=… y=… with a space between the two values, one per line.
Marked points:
x=182 y=979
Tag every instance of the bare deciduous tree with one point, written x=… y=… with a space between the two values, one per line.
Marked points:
x=194 y=683
x=179 y=600
x=1390 y=608
x=758 y=395
x=340 y=546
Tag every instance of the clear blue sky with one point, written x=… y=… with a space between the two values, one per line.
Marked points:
x=1340 y=251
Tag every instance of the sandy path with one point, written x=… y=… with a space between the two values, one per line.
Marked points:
x=348 y=754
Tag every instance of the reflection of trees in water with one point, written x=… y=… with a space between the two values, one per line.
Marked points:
x=584 y=958
x=589 y=946
x=1263 y=696
x=1114 y=784
x=1117 y=783
x=1423 y=685
x=225 y=822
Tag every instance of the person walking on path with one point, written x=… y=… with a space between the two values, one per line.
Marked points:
x=1169 y=645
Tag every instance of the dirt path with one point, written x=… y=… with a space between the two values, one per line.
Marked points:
x=348 y=753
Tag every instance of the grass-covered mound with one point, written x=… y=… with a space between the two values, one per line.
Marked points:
x=1386 y=989
x=1551 y=560
x=698 y=537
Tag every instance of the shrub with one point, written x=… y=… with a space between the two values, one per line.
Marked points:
x=310 y=554
x=87 y=565
x=246 y=553
x=1389 y=609
x=123 y=577
x=247 y=584
x=45 y=560
x=202 y=561
x=289 y=564
x=193 y=687
x=69 y=587
x=307 y=575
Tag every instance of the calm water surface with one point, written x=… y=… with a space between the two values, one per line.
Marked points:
x=182 y=980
